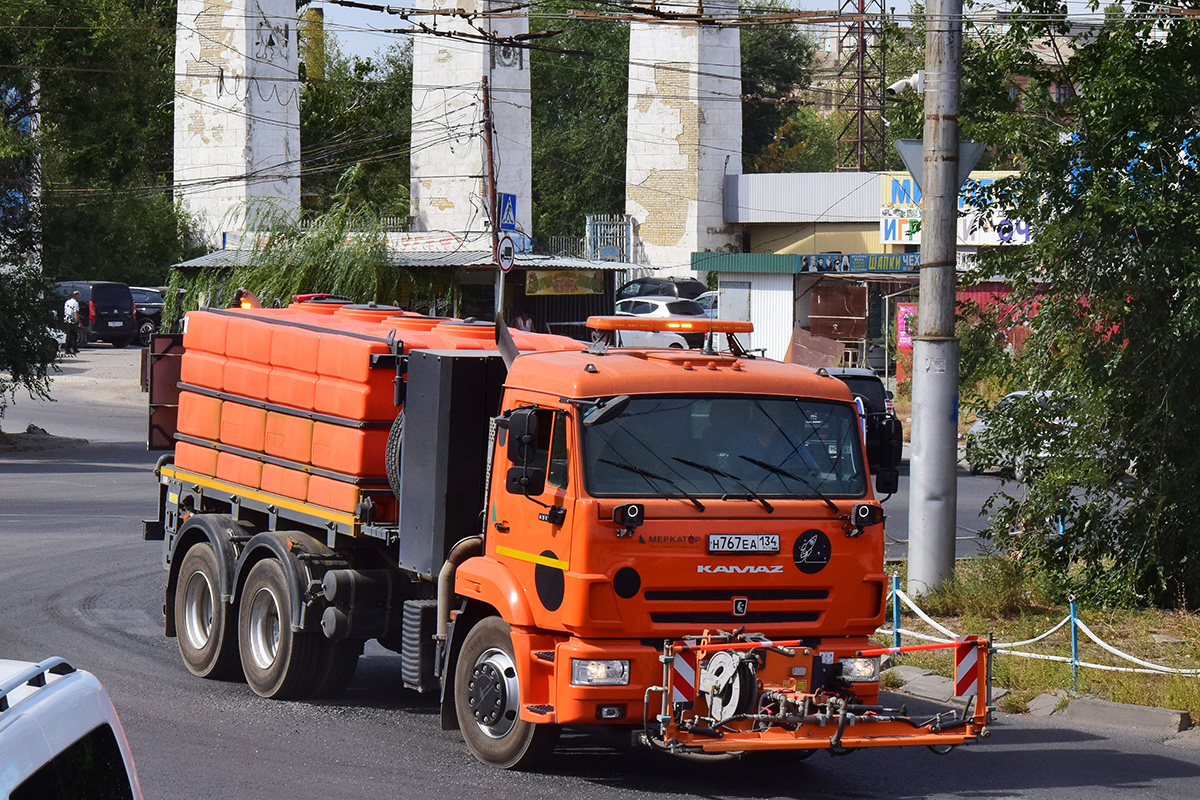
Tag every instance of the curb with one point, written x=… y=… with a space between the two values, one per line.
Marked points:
x=1088 y=711
x=1082 y=711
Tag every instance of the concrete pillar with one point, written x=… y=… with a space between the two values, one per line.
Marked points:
x=448 y=162
x=237 y=110
x=685 y=135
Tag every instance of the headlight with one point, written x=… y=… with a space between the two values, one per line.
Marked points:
x=859 y=670
x=599 y=673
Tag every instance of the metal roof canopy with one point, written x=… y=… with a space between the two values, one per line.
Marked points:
x=471 y=259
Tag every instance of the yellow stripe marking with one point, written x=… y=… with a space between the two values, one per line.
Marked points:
x=545 y=561
x=243 y=491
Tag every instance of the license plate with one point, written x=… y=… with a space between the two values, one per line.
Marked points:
x=743 y=543
x=116 y=324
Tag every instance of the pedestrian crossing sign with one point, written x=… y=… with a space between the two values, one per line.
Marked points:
x=508 y=212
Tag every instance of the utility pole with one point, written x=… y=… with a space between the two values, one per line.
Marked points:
x=490 y=175
x=933 y=487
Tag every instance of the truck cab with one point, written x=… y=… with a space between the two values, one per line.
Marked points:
x=643 y=496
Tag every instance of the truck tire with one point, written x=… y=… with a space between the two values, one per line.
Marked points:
x=487 y=701
x=336 y=664
x=279 y=664
x=395 y=442
x=205 y=626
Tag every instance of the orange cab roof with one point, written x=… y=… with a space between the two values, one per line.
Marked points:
x=568 y=374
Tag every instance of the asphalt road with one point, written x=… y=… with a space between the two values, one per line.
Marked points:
x=77 y=581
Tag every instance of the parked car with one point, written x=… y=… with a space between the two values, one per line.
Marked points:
x=687 y=288
x=147 y=311
x=60 y=736
x=1041 y=420
x=866 y=384
x=709 y=302
x=654 y=306
x=107 y=310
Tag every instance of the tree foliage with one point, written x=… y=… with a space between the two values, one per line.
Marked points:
x=777 y=63
x=579 y=113
x=341 y=251
x=359 y=112
x=805 y=142
x=1111 y=185
x=100 y=76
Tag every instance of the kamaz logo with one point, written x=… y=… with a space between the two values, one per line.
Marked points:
x=739 y=568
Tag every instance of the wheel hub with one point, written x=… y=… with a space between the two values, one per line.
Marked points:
x=198 y=610
x=492 y=693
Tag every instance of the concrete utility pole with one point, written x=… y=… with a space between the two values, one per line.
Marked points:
x=490 y=176
x=933 y=498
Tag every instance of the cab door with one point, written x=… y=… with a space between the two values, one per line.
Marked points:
x=531 y=533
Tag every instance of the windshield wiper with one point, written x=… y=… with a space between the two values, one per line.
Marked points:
x=714 y=471
x=645 y=473
x=781 y=471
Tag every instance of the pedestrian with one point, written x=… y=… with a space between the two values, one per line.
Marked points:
x=72 y=324
x=524 y=322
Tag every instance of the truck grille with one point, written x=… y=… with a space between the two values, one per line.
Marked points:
x=750 y=618
x=698 y=607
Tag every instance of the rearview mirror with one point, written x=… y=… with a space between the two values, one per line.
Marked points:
x=606 y=411
x=887 y=481
x=522 y=435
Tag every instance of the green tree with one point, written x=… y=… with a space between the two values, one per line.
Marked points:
x=777 y=64
x=805 y=142
x=1111 y=186
x=359 y=112
x=580 y=83
x=101 y=73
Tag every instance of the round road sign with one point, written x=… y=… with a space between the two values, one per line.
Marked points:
x=506 y=253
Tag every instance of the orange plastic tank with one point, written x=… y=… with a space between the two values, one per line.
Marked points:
x=289 y=437
x=205 y=333
x=371 y=402
x=349 y=358
x=243 y=426
x=246 y=378
x=329 y=493
x=283 y=481
x=249 y=337
x=367 y=313
x=194 y=458
x=352 y=451
x=295 y=348
x=203 y=369
x=289 y=387
x=199 y=416
x=238 y=469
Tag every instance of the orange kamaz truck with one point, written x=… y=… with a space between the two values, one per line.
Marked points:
x=684 y=544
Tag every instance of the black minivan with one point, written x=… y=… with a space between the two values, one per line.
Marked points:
x=106 y=308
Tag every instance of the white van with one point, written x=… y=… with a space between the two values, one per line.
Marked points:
x=60 y=736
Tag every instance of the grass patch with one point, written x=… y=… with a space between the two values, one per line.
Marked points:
x=993 y=594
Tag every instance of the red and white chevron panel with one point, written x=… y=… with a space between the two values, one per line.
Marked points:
x=683 y=682
x=966 y=658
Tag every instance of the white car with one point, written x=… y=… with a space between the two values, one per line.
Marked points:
x=710 y=302
x=59 y=735
x=661 y=307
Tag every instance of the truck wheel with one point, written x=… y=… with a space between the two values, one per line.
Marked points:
x=205 y=626
x=336 y=664
x=278 y=663
x=395 y=441
x=487 y=700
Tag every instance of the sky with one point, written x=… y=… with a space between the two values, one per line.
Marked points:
x=357 y=29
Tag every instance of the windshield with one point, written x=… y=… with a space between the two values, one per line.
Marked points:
x=726 y=446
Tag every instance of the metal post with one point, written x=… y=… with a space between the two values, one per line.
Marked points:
x=933 y=489
x=490 y=174
x=1074 y=647
x=896 y=610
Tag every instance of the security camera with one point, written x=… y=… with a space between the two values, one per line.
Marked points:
x=916 y=82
